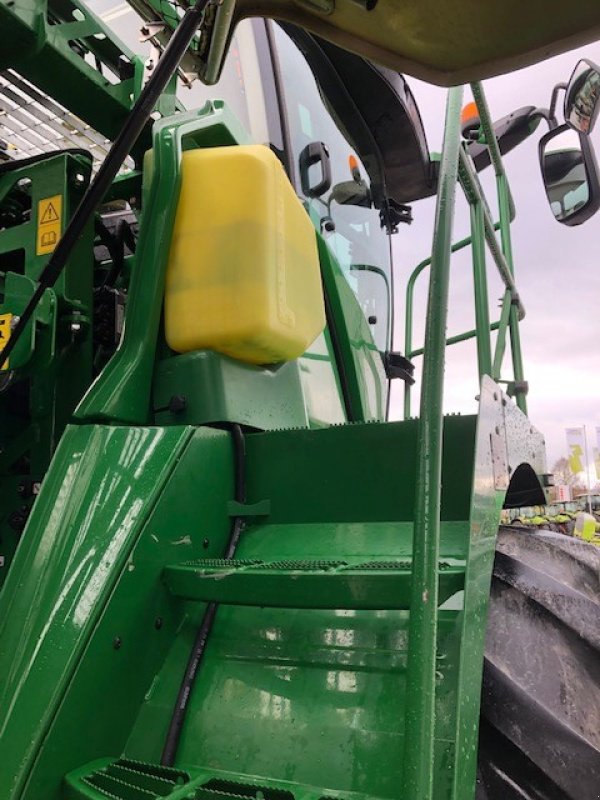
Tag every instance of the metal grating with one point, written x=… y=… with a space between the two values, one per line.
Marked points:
x=220 y=789
x=32 y=123
x=320 y=565
x=218 y=563
x=132 y=780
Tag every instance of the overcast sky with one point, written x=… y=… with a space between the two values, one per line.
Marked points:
x=557 y=270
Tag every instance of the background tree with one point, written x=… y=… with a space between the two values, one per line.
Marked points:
x=564 y=476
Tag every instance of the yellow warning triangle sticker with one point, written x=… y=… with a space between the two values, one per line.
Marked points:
x=49 y=215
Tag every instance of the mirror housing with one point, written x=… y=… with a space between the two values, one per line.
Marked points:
x=570 y=175
x=351 y=193
x=582 y=97
x=510 y=131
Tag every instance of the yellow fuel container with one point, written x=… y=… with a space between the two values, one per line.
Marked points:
x=243 y=277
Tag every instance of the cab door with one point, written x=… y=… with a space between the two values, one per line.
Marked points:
x=358 y=276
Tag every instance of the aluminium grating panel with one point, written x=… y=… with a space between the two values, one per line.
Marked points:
x=32 y=123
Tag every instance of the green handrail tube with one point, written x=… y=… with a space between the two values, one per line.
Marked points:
x=421 y=668
x=487 y=127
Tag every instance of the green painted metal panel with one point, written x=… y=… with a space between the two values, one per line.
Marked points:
x=505 y=439
x=95 y=498
x=216 y=389
x=309 y=700
x=185 y=517
x=379 y=486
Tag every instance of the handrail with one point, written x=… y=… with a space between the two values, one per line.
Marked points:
x=422 y=637
x=408 y=320
x=458 y=338
x=483 y=232
x=474 y=192
x=411 y=283
x=490 y=138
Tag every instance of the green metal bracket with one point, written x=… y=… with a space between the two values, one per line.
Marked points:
x=44 y=39
x=122 y=393
x=260 y=509
x=18 y=290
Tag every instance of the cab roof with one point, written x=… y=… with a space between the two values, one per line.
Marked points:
x=446 y=42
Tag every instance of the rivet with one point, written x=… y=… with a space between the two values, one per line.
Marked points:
x=117 y=642
x=158 y=623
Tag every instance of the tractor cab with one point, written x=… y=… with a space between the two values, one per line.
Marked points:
x=224 y=571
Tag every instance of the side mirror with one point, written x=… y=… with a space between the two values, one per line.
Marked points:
x=351 y=193
x=570 y=175
x=582 y=98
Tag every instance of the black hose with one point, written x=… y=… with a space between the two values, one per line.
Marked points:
x=197 y=652
x=121 y=147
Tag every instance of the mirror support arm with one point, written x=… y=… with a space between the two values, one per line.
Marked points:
x=552 y=121
x=547 y=115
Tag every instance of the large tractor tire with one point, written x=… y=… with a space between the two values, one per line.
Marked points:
x=540 y=714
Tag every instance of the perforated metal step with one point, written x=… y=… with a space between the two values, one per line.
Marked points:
x=124 y=779
x=128 y=780
x=379 y=584
x=218 y=789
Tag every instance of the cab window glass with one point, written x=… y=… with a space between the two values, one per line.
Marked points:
x=352 y=230
x=242 y=85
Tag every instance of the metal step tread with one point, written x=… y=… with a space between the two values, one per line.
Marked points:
x=124 y=779
x=326 y=584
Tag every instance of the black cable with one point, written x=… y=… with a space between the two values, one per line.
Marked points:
x=121 y=147
x=197 y=652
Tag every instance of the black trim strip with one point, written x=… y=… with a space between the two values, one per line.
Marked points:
x=339 y=358
x=283 y=116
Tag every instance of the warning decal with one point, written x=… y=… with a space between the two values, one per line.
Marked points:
x=49 y=224
x=5 y=330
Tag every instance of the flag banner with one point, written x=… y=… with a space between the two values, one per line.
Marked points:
x=576 y=447
x=597 y=454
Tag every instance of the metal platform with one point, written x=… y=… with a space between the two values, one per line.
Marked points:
x=31 y=123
